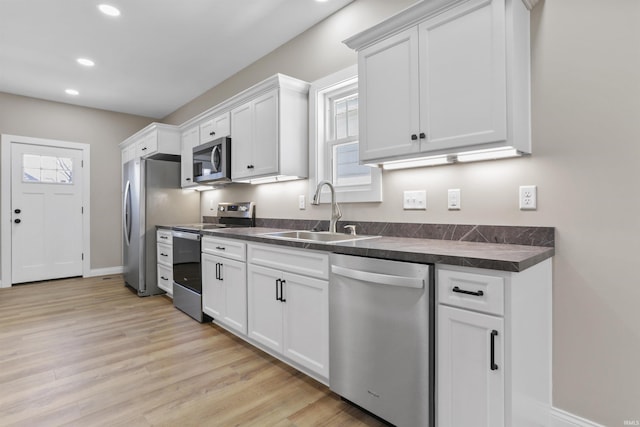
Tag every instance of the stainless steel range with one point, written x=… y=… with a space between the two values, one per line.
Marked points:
x=187 y=271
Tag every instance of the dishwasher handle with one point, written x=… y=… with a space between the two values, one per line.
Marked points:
x=381 y=279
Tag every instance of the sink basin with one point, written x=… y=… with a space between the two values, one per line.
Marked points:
x=316 y=236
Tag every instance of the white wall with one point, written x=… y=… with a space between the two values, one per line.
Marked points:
x=586 y=151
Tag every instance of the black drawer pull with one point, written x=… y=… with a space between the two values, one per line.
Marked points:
x=494 y=366
x=462 y=291
x=164 y=237
x=163 y=254
x=164 y=278
x=221 y=248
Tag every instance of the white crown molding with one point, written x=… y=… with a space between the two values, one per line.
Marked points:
x=530 y=3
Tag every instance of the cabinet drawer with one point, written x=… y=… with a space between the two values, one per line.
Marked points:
x=165 y=254
x=484 y=293
x=227 y=248
x=301 y=261
x=165 y=278
x=164 y=236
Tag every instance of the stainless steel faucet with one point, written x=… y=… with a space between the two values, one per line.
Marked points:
x=335 y=209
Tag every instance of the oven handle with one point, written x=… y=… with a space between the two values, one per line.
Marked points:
x=185 y=235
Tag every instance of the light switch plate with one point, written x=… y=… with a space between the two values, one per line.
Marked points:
x=414 y=200
x=453 y=199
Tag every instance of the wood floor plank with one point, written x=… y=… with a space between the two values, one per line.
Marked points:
x=89 y=352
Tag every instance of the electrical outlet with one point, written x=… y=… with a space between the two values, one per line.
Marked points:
x=301 y=202
x=453 y=199
x=415 y=200
x=528 y=198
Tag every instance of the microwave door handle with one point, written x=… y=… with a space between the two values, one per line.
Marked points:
x=214 y=167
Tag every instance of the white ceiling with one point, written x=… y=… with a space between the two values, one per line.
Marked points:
x=154 y=58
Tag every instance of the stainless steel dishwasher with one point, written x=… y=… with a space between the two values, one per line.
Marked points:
x=381 y=329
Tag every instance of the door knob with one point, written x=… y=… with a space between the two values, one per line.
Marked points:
x=17 y=211
x=17 y=221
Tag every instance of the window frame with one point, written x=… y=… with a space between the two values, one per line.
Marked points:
x=320 y=152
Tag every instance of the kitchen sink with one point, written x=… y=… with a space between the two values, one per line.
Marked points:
x=316 y=236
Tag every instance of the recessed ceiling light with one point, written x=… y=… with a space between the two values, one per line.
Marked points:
x=107 y=9
x=72 y=92
x=86 y=62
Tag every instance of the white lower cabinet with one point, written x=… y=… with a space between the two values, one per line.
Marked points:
x=471 y=382
x=493 y=361
x=164 y=253
x=288 y=313
x=224 y=283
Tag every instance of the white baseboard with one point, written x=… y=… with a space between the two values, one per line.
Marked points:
x=105 y=271
x=560 y=418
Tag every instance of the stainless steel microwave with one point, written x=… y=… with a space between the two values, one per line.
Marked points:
x=212 y=161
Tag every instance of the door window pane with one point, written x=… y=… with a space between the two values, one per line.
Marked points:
x=47 y=169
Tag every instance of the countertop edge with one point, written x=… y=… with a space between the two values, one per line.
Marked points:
x=367 y=248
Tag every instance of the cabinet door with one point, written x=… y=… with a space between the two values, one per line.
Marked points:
x=470 y=388
x=222 y=125
x=242 y=131
x=234 y=276
x=213 y=290
x=190 y=138
x=265 y=134
x=463 y=76
x=265 y=311
x=389 y=97
x=306 y=322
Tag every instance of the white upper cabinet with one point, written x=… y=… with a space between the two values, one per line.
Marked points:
x=214 y=128
x=254 y=150
x=190 y=138
x=445 y=77
x=155 y=139
x=269 y=131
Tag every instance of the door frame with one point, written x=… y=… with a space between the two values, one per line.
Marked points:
x=5 y=200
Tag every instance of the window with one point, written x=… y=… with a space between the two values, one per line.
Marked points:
x=47 y=169
x=334 y=152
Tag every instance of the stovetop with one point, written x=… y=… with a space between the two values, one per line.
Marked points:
x=198 y=227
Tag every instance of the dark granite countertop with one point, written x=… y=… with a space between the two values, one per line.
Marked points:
x=495 y=256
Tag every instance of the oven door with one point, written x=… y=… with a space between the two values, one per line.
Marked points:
x=186 y=260
x=212 y=161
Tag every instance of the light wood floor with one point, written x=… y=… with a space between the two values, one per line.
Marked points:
x=88 y=352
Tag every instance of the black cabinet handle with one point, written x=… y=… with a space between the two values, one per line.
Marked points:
x=221 y=248
x=17 y=211
x=163 y=254
x=422 y=135
x=250 y=166
x=144 y=148
x=494 y=366
x=282 y=298
x=414 y=137
x=212 y=133
x=462 y=291
x=17 y=221
x=164 y=278
x=220 y=265
x=187 y=179
x=217 y=271
x=278 y=281
x=164 y=237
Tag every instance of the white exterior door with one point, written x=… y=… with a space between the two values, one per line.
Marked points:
x=46 y=212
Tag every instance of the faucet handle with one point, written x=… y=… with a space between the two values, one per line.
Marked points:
x=351 y=228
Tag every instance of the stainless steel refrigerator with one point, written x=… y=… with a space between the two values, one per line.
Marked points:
x=151 y=196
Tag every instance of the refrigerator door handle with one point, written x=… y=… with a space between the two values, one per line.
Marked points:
x=126 y=213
